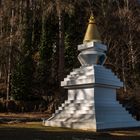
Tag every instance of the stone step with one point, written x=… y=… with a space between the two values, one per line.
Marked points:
x=92 y=77
x=114 y=116
x=113 y=110
x=101 y=68
x=76 y=115
x=79 y=108
x=117 y=124
x=83 y=69
x=88 y=125
x=108 y=81
x=107 y=101
x=72 y=111
x=91 y=108
x=92 y=117
x=72 y=74
x=107 y=74
x=76 y=107
x=109 y=104
x=83 y=102
x=81 y=105
x=78 y=111
x=78 y=81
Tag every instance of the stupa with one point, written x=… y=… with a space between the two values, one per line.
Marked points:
x=91 y=103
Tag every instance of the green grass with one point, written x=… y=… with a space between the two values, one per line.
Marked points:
x=35 y=131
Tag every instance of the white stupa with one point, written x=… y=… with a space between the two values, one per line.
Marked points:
x=91 y=103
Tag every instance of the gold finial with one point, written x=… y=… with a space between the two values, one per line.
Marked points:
x=92 y=33
x=92 y=20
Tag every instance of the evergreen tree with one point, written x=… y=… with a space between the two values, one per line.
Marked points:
x=22 y=76
x=44 y=67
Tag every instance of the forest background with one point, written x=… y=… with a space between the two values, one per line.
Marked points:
x=38 y=48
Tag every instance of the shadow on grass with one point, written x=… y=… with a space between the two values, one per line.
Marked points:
x=18 y=133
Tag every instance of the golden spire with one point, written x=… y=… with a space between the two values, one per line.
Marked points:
x=92 y=33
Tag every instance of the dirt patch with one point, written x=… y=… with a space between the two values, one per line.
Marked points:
x=24 y=115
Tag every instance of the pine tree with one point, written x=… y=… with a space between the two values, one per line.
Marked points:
x=44 y=67
x=22 y=76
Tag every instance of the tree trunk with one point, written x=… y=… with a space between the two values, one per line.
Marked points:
x=123 y=71
x=61 y=46
x=0 y=73
x=9 y=72
x=10 y=56
x=131 y=52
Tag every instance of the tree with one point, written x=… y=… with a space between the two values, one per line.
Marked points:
x=44 y=66
x=59 y=7
x=22 y=77
x=9 y=51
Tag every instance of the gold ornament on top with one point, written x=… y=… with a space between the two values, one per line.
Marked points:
x=92 y=33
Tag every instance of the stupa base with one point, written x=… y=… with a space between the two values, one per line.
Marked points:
x=92 y=103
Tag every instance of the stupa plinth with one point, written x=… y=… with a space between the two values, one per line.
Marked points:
x=91 y=103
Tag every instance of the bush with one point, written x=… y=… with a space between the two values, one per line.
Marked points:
x=23 y=106
x=2 y=106
x=10 y=106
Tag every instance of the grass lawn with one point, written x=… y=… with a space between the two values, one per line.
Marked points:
x=35 y=131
